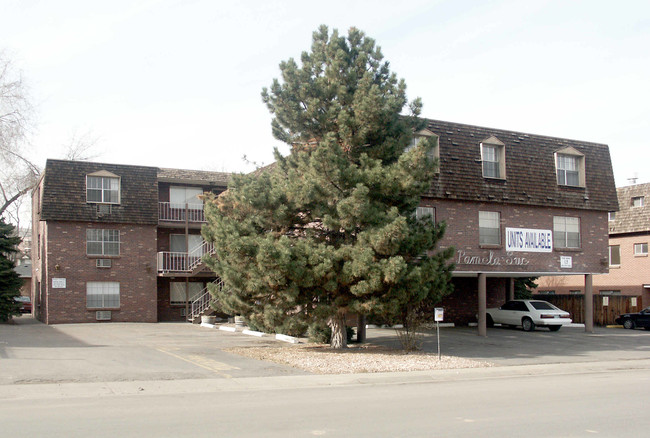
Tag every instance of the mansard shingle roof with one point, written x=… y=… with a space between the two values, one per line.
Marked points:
x=631 y=219
x=530 y=169
x=64 y=193
x=194 y=176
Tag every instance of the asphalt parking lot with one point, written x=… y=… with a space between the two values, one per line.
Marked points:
x=31 y=352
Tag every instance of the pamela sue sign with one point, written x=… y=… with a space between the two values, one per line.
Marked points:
x=529 y=240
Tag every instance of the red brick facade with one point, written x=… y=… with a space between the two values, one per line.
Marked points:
x=134 y=269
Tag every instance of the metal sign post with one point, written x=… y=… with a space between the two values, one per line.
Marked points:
x=439 y=314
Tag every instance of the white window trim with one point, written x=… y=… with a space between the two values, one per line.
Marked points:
x=641 y=201
x=104 y=174
x=501 y=155
x=614 y=265
x=103 y=242
x=422 y=212
x=580 y=165
x=565 y=232
x=498 y=228
x=104 y=290
x=434 y=154
x=640 y=253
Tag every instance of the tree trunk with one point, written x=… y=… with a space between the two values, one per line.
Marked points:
x=339 y=333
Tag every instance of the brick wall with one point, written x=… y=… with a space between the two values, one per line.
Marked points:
x=461 y=306
x=463 y=234
x=134 y=269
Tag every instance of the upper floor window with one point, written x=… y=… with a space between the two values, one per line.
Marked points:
x=434 y=152
x=489 y=225
x=638 y=201
x=103 y=242
x=180 y=196
x=614 y=255
x=611 y=216
x=640 y=249
x=493 y=156
x=425 y=213
x=103 y=187
x=566 y=232
x=570 y=167
x=102 y=294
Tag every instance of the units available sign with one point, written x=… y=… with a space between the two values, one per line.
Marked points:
x=529 y=240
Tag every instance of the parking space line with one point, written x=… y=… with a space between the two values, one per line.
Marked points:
x=200 y=361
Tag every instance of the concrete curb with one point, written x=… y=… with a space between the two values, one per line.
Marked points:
x=187 y=386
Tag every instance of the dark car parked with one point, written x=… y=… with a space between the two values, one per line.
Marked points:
x=634 y=320
x=25 y=304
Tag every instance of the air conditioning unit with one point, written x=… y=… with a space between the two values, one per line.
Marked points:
x=103 y=263
x=103 y=209
x=103 y=315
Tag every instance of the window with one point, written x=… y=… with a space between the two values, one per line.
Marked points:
x=640 y=249
x=177 y=242
x=575 y=292
x=179 y=196
x=489 y=225
x=566 y=232
x=546 y=292
x=177 y=292
x=103 y=242
x=493 y=158
x=570 y=168
x=103 y=189
x=102 y=294
x=609 y=292
x=611 y=216
x=615 y=255
x=434 y=153
x=425 y=212
x=638 y=201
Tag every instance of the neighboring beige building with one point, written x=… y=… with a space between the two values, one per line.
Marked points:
x=629 y=265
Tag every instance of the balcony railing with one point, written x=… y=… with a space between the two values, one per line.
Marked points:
x=168 y=211
x=170 y=262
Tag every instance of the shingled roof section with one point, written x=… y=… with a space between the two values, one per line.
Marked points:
x=530 y=169
x=193 y=177
x=631 y=219
x=64 y=193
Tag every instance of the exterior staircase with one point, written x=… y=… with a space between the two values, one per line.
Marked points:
x=201 y=305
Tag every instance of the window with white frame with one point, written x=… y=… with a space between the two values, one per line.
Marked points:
x=494 y=158
x=425 y=213
x=570 y=167
x=611 y=216
x=638 y=201
x=177 y=293
x=614 y=255
x=177 y=242
x=640 y=249
x=180 y=196
x=434 y=153
x=101 y=242
x=489 y=225
x=102 y=294
x=566 y=232
x=103 y=189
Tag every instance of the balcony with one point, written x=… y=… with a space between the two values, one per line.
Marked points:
x=184 y=262
x=180 y=213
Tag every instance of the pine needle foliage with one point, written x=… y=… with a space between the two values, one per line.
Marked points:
x=10 y=281
x=329 y=229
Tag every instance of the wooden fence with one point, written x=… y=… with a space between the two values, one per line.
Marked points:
x=605 y=310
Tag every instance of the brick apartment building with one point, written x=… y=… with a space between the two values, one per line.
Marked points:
x=629 y=266
x=126 y=239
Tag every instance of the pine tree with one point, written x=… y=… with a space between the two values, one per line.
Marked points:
x=330 y=228
x=10 y=281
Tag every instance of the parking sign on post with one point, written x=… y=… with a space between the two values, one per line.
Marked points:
x=438 y=315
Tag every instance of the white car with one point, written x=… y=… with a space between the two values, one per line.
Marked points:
x=528 y=314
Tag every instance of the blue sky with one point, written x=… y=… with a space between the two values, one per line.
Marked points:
x=177 y=83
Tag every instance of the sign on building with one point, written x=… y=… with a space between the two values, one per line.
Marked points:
x=58 y=283
x=528 y=240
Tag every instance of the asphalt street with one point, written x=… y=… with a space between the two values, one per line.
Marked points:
x=169 y=379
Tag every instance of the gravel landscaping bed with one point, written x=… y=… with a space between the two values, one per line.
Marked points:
x=320 y=359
